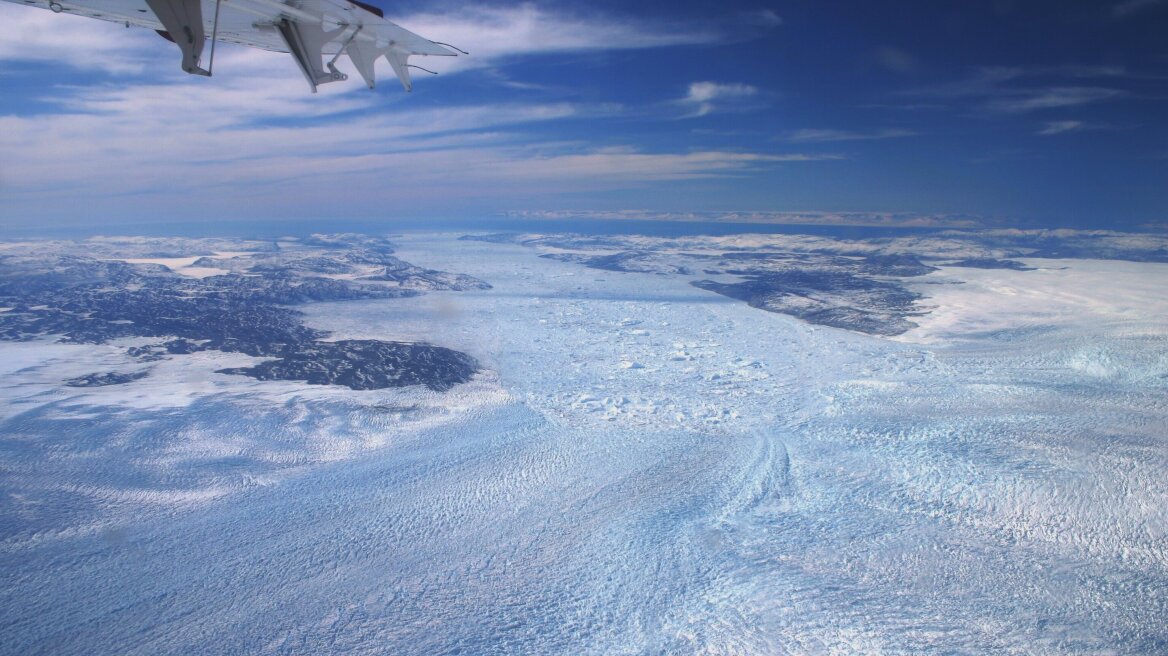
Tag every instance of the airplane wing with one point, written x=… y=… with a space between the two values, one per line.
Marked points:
x=310 y=30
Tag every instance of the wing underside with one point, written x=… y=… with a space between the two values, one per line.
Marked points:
x=311 y=30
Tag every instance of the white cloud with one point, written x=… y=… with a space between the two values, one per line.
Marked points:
x=702 y=92
x=33 y=34
x=763 y=18
x=1013 y=90
x=1060 y=127
x=492 y=34
x=614 y=168
x=1051 y=98
x=708 y=97
x=812 y=135
x=253 y=140
x=203 y=149
x=471 y=172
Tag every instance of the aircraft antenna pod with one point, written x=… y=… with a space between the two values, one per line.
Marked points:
x=56 y=7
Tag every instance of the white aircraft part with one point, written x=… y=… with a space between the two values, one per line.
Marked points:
x=364 y=55
x=399 y=61
x=306 y=43
x=325 y=28
x=183 y=20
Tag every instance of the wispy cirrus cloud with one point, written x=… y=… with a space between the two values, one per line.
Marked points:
x=1016 y=90
x=494 y=33
x=1051 y=128
x=704 y=98
x=491 y=33
x=243 y=140
x=1029 y=100
x=816 y=135
x=141 y=134
x=762 y=18
x=1061 y=127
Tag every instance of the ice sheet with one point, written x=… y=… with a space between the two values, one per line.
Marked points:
x=644 y=467
x=1095 y=295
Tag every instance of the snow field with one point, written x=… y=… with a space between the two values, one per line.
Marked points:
x=643 y=467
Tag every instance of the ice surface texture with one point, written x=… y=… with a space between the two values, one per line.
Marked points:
x=642 y=467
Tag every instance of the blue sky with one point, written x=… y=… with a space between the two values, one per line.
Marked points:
x=947 y=113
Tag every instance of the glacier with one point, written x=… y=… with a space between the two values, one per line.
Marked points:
x=641 y=466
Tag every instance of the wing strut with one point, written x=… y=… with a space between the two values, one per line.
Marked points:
x=214 y=36
x=183 y=20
